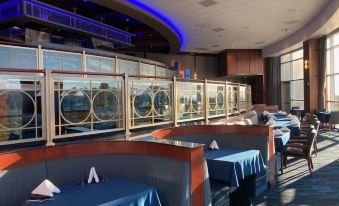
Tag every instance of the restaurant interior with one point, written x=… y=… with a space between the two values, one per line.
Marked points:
x=169 y=102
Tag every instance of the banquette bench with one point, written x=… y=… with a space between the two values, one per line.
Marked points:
x=250 y=136
x=177 y=173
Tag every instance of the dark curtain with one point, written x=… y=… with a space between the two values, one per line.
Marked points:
x=321 y=71
x=273 y=81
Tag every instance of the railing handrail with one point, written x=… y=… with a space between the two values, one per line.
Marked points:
x=85 y=73
x=21 y=70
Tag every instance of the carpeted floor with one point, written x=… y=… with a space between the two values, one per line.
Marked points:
x=297 y=187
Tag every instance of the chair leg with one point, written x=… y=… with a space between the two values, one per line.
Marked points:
x=315 y=148
x=282 y=163
x=311 y=161
x=309 y=165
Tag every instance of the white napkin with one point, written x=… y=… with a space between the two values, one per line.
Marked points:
x=277 y=132
x=46 y=188
x=214 y=145
x=270 y=122
x=93 y=174
x=285 y=129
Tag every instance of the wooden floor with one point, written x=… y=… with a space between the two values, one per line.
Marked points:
x=296 y=187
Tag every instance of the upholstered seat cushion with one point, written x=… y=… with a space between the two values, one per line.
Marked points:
x=294 y=151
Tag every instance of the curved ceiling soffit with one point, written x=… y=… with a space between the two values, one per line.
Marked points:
x=142 y=15
x=305 y=32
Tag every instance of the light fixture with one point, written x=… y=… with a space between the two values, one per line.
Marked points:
x=306 y=64
x=195 y=76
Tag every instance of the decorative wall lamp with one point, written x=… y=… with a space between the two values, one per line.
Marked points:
x=306 y=63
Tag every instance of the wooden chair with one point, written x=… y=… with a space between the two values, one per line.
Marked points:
x=302 y=150
x=303 y=138
x=334 y=119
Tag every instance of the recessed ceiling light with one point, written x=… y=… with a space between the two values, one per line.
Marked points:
x=207 y=3
x=259 y=42
x=127 y=19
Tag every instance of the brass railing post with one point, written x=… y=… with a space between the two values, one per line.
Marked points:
x=49 y=108
x=127 y=107
x=206 y=102
x=175 y=101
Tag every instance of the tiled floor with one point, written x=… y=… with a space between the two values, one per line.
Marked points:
x=296 y=187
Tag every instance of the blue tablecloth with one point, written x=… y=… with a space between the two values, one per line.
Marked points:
x=233 y=164
x=280 y=141
x=295 y=128
x=113 y=192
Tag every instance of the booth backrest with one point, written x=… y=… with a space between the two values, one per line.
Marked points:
x=171 y=178
x=229 y=140
x=17 y=183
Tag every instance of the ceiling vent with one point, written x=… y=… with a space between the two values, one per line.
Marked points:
x=201 y=49
x=207 y=3
x=218 y=29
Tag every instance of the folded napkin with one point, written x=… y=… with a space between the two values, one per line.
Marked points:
x=93 y=174
x=277 y=132
x=270 y=122
x=46 y=188
x=285 y=129
x=214 y=145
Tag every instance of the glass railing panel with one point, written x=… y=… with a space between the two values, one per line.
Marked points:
x=151 y=102
x=216 y=100
x=18 y=57
x=128 y=67
x=88 y=105
x=161 y=71
x=100 y=64
x=147 y=69
x=56 y=60
x=20 y=108
x=190 y=101
x=242 y=98
x=232 y=99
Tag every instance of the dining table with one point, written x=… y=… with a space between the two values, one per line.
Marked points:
x=280 y=141
x=293 y=127
x=233 y=164
x=111 y=192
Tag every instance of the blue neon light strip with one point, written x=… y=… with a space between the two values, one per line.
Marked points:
x=162 y=17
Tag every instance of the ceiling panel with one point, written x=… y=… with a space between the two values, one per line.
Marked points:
x=239 y=24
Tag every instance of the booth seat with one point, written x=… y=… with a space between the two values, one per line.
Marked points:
x=248 y=118
x=248 y=137
x=155 y=165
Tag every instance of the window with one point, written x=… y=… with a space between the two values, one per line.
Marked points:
x=292 y=80
x=332 y=71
